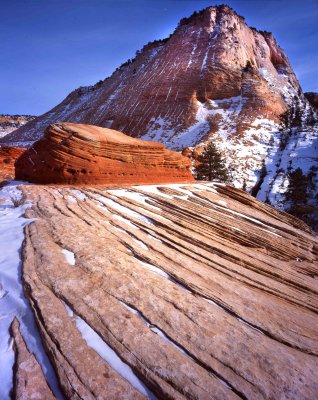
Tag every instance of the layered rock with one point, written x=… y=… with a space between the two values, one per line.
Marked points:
x=29 y=380
x=176 y=88
x=8 y=156
x=86 y=154
x=216 y=79
x=9 y=123
x=203 y=291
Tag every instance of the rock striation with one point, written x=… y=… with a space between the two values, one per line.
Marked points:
x=214 y=79
x=211 y=65
x=29 y=380
x=200 y=289
x=85 y=154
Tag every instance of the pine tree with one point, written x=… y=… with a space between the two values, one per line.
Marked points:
x=297 y=189
x=211 y=165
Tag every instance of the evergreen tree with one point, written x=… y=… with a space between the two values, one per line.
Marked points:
x=211 y=165
x=297 y=189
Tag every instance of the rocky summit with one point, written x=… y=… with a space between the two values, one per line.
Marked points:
x=194 y=291
x=86 y=154
x=214 y=79
x=213 y=74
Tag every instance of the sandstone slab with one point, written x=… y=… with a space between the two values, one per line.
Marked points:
x=29 y=380
x=86 y=154
x=203 y=291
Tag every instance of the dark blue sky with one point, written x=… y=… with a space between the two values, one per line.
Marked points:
x=50 y=47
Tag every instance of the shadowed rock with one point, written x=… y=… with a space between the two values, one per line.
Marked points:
x=8 y=156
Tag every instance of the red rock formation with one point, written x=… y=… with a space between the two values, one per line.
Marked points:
x=214 y=79
x=8 y=156
x=212 y=55
x=76 y=153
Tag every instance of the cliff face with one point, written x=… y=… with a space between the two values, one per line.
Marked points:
x=181 y=90
x=215 y=79
x=9 y=123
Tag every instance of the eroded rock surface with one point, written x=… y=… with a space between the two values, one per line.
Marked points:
x=214 y=73
x=214 y=79
x=204 y=292
x=87 y=154
x=29 y=381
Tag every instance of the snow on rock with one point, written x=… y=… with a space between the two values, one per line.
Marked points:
x=9 y=123
x=215 y=79
x=108 y=354
x=12 y=300
x=69 y=256
x=298 y=148
x=256 y=264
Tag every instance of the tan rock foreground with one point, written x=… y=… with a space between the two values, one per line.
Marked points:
x=204 y=292
x=29 y=382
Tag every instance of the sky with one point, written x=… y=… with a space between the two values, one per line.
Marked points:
x=50 y=47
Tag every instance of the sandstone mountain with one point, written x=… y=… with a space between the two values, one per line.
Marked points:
x=213 y=74
x=178 y=292
x=216 y=79
x=9 y=123
x=77 y=153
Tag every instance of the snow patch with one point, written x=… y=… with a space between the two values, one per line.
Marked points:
x=94 y=341
x=12 y=300
x=69 y=256
x=80 y=195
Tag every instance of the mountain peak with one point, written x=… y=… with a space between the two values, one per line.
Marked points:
x=214 y=79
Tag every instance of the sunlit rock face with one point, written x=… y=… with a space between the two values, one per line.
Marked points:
x=194 y=291
x=77 y=153
x=179 y=89
x=215 y=79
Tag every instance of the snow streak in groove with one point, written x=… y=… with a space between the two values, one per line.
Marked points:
x=112 y=203
x=94 y=341
x=161 y=272
x=13 y=302
x=232 y=314
x=182 y=350
x=156 y=330
x=170 y=278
